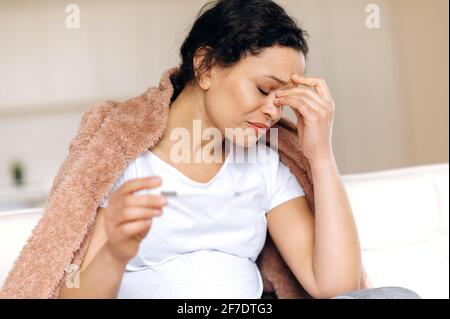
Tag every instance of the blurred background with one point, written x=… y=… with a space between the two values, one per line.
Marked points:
x=388 y=77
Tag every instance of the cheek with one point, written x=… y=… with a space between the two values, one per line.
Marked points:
x=219 y=108
x=246 y=102
x=228 y=106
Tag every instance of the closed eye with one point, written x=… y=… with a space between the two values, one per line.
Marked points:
x=262 y=92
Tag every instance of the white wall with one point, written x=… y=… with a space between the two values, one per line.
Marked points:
x=362 y=69
x=50 y=75
x=390 y=84
x=423 y=43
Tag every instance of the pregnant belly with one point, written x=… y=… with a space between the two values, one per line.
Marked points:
x=200 y=274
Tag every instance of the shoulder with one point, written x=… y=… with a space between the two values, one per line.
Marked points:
x=277 y=174
x=267 y=157
x=145 y=105
x=127 y=174
x=260 y=157
x=263 y=154
x=134 y=166
x=90 y=123
x=267 y=163
x=146 y=113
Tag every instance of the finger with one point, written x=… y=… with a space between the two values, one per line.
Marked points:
x=301 y=108
x=149 y=201
x=139 y=184
x=319 y=109
x=302 y=90
x=137 y=213
x=135 y=228
x=304 y=104
x=319 y=84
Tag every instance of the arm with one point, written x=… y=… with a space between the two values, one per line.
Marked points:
x=95 y=282
x=323 y=251
x=118 y=231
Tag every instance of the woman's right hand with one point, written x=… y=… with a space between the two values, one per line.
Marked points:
x=128 y=217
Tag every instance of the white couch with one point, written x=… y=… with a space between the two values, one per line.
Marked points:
x=401 y=215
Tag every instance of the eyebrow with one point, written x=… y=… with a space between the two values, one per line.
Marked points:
x=275 y=78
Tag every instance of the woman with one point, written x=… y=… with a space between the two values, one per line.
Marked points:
x=241 y=61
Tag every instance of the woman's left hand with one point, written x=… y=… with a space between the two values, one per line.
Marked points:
x=312 y=99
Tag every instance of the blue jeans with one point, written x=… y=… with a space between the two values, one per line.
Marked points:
x=380 y=293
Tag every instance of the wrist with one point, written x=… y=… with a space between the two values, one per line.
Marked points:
x=323 y=162
x=112 y=257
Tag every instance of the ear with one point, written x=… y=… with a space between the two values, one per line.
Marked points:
x=202 y=75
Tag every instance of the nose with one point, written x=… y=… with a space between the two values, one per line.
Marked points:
x=271 y=110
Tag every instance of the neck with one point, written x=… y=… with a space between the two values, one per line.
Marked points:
x=188 y=113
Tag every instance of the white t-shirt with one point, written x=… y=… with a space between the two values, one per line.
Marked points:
x=205 y=246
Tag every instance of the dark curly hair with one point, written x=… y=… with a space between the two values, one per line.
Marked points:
x=231 y=29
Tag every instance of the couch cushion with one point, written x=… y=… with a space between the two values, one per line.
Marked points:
x=441 y=181
x=394 y=207
x=423 y=267
x=15 y=228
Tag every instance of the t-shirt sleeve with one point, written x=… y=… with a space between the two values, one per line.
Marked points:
x=284 y=185
x=119 y=181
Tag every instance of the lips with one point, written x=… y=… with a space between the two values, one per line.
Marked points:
x=259 y=128
x=260 y=125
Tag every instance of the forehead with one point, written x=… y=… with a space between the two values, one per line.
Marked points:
x=277 y=61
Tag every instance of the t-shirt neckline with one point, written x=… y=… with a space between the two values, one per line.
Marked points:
x=188 y=179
